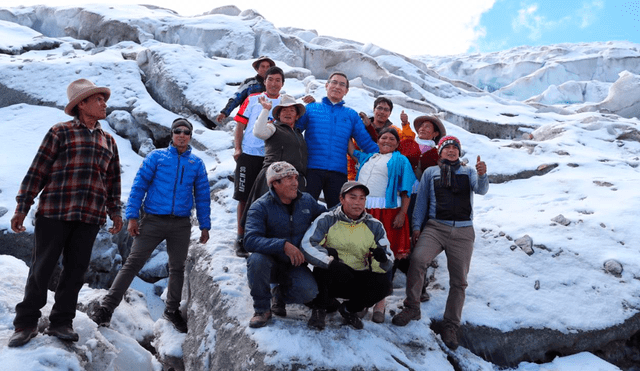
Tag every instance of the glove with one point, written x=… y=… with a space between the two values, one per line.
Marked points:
x=332 y=252
x=379 y=254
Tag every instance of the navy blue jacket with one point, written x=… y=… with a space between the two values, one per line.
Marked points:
x=269 y=223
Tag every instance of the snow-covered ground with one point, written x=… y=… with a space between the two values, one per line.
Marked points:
x=562 y=286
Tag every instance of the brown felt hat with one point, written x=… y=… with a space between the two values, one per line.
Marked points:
x=436 y=123
x=257 y=62
x=81 y=89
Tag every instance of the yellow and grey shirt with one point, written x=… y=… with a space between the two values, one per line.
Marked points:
x=352 y=239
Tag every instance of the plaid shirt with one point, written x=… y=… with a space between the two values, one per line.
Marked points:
x=78 y=172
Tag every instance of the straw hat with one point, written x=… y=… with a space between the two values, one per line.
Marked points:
x=436 y=123
x=81 y=89
x=257 y=62
x=288 y=101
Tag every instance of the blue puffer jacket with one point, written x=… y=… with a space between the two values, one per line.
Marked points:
x=170 y=182
x=269 y=223
x=327 y=129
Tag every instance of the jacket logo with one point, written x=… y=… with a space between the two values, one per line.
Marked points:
x=306 y=211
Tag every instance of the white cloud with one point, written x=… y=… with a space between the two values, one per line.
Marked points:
x=589 y=13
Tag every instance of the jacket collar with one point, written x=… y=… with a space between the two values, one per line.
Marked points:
x=174 y=150
x=275 y=196
x=326 y=100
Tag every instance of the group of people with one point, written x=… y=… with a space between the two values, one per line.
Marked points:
x=395 y=202
x=405 y=200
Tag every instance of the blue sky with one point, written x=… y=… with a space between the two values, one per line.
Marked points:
x=414 y=27
x=513 y=23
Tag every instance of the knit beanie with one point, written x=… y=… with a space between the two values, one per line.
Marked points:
x=279 y=170
x=181 y=122
x=449 y=139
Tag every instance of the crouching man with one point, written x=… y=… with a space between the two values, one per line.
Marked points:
x=351 y=255
x=276 y=223
x=445 y=200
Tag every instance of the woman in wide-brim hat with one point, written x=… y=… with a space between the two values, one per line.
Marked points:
x=282 y=142
x=422 y=152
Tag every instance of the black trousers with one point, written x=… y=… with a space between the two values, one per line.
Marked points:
x=74 y=241
x=362 y=288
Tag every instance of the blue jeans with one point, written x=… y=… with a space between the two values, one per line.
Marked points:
x=297 y=284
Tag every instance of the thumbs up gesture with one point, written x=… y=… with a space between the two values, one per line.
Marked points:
x=404 y=118
x=481 y=167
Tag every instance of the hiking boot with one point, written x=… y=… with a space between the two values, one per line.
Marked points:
x=176 y=320
x=278 y=306
x=64 y=332
x=449 y=336
x=101 y=316
x=239 y=247
x=260 y=319
x=350 y=319
x=404 y=317
x=22 y=336
x=317 y=319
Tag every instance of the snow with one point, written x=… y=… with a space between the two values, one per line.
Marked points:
x=595 y=186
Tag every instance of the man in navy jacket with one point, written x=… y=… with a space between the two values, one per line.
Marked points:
x=276 y=223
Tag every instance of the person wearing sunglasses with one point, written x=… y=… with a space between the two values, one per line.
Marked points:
x=166 y=185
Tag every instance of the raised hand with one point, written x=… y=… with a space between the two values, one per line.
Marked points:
x=481 y=167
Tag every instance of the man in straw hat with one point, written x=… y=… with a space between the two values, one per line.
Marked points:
x=445 y=199
x=276 y=223
x=76 y=171
x=250 y=86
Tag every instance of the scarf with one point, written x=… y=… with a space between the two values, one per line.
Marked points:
x=425 y=144
x=448 y=174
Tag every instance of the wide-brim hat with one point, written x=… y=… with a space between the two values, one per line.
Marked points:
x=288 y=101
x=81 y=89
x=435 y=121
x=257 y=62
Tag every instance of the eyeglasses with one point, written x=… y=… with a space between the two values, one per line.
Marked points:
x=383 y=109
x=339 y=83
x=179 y=131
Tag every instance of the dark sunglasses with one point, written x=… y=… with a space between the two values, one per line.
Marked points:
x=179 y=131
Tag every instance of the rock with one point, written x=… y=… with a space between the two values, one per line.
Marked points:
x=525 y=243
x=560 y=219
x=613 y=267
x=508 y=349
x=3 y=210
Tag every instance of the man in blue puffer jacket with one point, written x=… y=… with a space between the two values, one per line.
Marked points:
x=328 y=127
x=167 y=181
